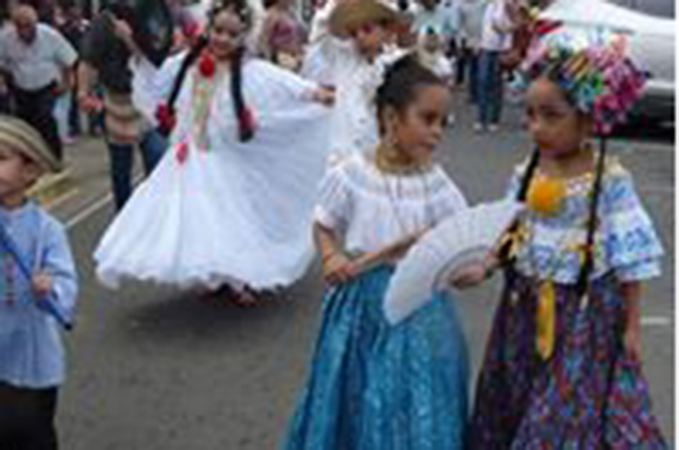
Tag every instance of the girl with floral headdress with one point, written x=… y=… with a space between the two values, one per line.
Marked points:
x=563 y=364
x=231 y=201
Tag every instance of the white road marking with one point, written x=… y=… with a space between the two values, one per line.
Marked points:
x=88 y=211
x=95 y=206
x=657 y=189
x=656 y=321
x=638 y=147
x=62 y=199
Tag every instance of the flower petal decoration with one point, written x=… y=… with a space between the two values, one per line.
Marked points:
x=182 y=153
x=166 y=119
x=207 y=65
x=594 y=68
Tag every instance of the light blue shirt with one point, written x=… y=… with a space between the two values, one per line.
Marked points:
x=441 y=20
x=31 y=351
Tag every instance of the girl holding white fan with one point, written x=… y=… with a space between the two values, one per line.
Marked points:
x=372 y=386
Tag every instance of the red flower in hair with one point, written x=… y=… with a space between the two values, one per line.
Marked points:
x=545 y=26
x=182 y=152
x=248 y=121
x=166 y=119
x=207 y=65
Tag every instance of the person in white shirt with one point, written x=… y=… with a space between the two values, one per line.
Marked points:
x=496 y=37
x=40 y=62
x=349 y=51
x=471 y=14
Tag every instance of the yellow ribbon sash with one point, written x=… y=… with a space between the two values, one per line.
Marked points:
x=546 y=319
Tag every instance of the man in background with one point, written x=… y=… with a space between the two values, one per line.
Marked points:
x=39 y=63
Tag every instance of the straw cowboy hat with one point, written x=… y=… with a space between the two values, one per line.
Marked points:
x=21 y=137
x=350 y=14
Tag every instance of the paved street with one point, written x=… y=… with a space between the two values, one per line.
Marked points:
x=153 y=369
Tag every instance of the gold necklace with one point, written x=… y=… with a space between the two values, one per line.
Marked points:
x=390 y=159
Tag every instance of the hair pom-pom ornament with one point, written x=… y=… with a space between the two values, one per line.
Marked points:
x=546 y=195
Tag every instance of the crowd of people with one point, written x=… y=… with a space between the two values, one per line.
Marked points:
x=267 y=142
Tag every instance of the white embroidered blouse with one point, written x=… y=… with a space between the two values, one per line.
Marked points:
x=371 y=209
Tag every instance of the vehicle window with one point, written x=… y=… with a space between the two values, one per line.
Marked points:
x=660 y=8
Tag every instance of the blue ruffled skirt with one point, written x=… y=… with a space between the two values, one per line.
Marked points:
x=376 y=387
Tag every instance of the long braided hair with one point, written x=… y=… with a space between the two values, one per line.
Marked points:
x=243 y=114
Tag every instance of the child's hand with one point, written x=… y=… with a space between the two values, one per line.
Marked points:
x=42 y=286
x=338 y=269
x=632 y=342
x=324 y=96
x=474 y=274
x=90 y=103
x=469 y=275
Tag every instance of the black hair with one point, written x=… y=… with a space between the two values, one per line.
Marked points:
x=245 y=129
x=401 y=84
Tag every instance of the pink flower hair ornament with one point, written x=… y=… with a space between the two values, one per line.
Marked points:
x=593 y=69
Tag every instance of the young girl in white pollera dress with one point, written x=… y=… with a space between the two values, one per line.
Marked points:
x=231 y=201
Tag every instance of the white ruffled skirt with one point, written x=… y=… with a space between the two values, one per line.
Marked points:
x=237 y=213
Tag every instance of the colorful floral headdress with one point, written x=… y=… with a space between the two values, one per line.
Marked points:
x=594 y=70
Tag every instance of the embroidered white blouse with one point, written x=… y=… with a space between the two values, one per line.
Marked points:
x=625 y=242
x=371 y=209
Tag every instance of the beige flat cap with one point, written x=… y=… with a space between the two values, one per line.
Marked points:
x=20 y=136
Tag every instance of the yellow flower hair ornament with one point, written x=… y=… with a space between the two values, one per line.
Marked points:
x=546 y=195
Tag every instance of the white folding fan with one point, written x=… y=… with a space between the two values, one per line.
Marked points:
x=466 y=237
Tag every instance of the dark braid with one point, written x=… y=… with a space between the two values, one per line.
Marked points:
x=526 y=179
x=188 y=61
x=246 y=129
x=592 y=222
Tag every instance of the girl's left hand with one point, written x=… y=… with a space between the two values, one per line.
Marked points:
x=469 y=276
x=324 y=96
x=41 y=285
x=632 y=342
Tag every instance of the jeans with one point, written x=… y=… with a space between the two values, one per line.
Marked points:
x=61 y=114
x=473 y=82
x=490 y=88
x=121 y=158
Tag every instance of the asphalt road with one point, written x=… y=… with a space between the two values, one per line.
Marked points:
x=151 y=368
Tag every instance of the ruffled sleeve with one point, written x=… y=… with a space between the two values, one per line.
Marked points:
x=280 y=85
x=334 y=205
x=631 y=245
x=151 y=86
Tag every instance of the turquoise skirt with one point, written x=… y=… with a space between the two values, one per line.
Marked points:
x=376 y=387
